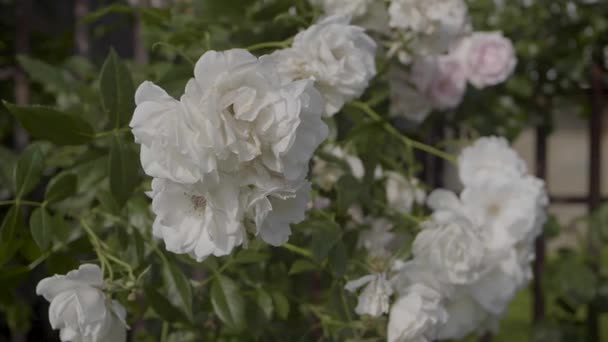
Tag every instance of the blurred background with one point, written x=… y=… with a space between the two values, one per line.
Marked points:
x=553 y=109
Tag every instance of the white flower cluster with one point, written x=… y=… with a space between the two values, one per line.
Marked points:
x=232 y=153
x=435 y=39
x=475 y=252
x=80 y=309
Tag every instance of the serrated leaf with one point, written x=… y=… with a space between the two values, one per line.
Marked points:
x=9 y=234
x=264 y=301
x=178 y=287
x=124 y=170
x=50 y=124
x=228 y=302
x=117 y=90
x=162 y=306
x=41 y=223
x=61 y=187
x=301 y=266
x=281 y=304
x=28 y=171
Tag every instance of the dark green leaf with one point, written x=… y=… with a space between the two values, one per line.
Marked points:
x=178 y=287
x=249 y=256
x=61 y=187
x=338 y=259
x=117 y=90
x=9 y=160
x=325 y=235
x=163 y=307
x=9 y=234
x=302 y=265
x=28 y=171
x=124 y=170
x=52 y=78
x=265 y=302
x=228 y=302
x=281 y=304
x=349 y=190
x=53 y=125
x=41 y=223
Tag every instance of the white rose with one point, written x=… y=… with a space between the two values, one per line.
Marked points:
x=416 y=316
x=199 y=219
x=489 y=158
x=327 y=173
x=339 y=57
x=379 y=239
x=370 y=14
x=168 y=148
x=452 y=248
x=442 y=79
x=374 y=299
x=80 y=309
x=509 y=210
x=498 y=287
x=464 y=317
x=489 y=58
x=435 y=24
x=275 y=207
x=243 y=113
x=401 y=193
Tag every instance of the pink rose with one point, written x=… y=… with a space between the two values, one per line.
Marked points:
x=442 y=79
x=489 y=58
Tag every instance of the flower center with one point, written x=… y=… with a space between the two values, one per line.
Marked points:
x=198 y=202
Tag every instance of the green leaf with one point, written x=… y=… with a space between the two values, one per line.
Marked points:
x=281 y=304
x=61 y=187
x=9 y=234
x=41 y=227
x=162 y=306
x=324 y=237
x=338 y=259
x=301 y=266
x=52 y=78
x=124 y=170
x=28 y=171
x=9 y=160
x=250 y=256
x=53 y=125
x=265 y=302
x=349 y=190
x=228 y=302
x=117 y=90
x=178 y=287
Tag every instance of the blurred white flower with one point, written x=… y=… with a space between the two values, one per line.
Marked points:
x=198 y=219
x=431 y=26
x=339 y=57
x=441 y=79
x=489 y=158
x=416 y=316
x=327 y=173
x=401 y=193
x=489 y=58
x=405 y=99
x=464 y=316
x=80 y=309
x=452 y=248
x=379 y=239
x=374 y=299
x=370 y=14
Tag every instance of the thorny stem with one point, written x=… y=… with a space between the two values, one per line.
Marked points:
x=408 y=142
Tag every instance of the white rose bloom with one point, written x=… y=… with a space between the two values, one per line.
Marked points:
x=80 y=309
x=274 y=208
x=416 y=316
x=374 y=299
x=489 y=158
x=464 y=317
x=327 y=173
x=418 y=271
x=498 y=287
x=510 y=211
x=453 y=248
x=339 y=57
x=379 y=239
x=401 y=193
x=199 y=219
x=168 y=148
x=435 y=24
x=242 y=112
x=442 y=79
x=489 y=58
x=370 y=14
